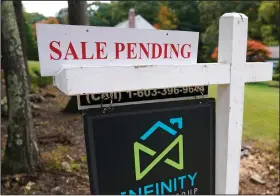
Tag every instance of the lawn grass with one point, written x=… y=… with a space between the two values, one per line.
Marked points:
x=261 y=114
x=33 y=64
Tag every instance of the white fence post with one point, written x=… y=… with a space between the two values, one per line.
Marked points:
x=232 y=47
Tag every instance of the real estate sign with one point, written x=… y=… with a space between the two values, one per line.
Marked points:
x=63 y=46
x=158 y=149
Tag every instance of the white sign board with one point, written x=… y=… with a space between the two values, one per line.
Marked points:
x=63 y=46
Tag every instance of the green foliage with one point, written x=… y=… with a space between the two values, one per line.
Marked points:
x=62 y=16
x=29 y=26
x=36 y=79
x=269 y=17
x=199 y=16
x=209 y=38
x=110 y=14
x=268 y=35
x=167 y=19
x=273 y=83
x=34 y=17
x=75 y=166
x=54 y=158
x=211 y=11
x=269 y=12
x=188 y=15
x=102 y=16
x=32 y=51
x=83 y=158
x=277 y=68
x=148 y=9
x=275 y=77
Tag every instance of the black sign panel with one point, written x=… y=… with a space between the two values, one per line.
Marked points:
x=141 y=96
x=152 y=149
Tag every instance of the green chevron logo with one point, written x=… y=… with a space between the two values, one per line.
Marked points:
x=140 y=147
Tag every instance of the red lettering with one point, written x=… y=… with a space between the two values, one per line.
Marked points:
x=154 y=51
x=145 y=50
x=165 y=51
x=99 y=50
x=118 y=49
x=84 y=51
x=130 y=50
x=176 y=51
x=55 y=50
x=182 y=51
x=72 y=52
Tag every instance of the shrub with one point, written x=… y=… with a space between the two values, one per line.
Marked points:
x=256 y=51
x=275 y=77
x=36 y=78
x=32 y=49
x=277 y=68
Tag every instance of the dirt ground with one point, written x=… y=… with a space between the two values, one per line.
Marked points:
x=61 y=142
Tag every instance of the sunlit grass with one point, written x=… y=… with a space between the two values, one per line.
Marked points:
x=261 y=114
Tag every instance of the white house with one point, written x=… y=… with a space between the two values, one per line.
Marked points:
x=133 y=21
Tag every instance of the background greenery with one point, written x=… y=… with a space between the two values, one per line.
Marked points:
x=200 y=16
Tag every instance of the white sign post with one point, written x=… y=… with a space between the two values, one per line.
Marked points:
x=179 y=69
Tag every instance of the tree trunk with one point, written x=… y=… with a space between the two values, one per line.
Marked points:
x=20 y=23
x=21 y=153
x=77 y=15
x=77 y=12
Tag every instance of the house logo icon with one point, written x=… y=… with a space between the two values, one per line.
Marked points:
x=159 y=126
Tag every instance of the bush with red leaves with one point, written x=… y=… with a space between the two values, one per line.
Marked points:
x=256 y=52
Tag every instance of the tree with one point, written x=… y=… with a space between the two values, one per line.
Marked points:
x=62 y=16
x=211 y=11
x=30 y=30
x=269 y=12
x=100 y=14
x=21 y=152
x=32 y=49
x=110 y=14
x=256 y=52
x=34 y=17
x=29 y=20
x=188 y=15
x=78 y=15
x=77 y=12
x=269 y=17
x=21 y=23
x=50 y=20
x=166 y=19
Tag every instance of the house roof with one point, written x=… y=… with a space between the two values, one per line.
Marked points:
x=140 y=23
x=274 y=51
